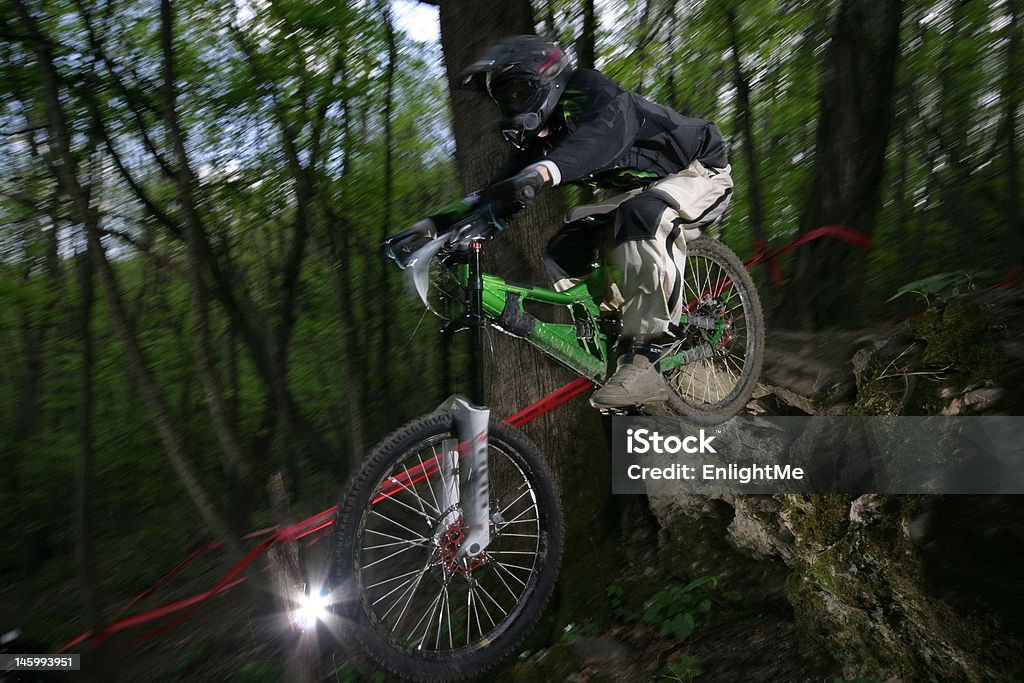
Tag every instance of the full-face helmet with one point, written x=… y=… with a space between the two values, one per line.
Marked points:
x=526 y=76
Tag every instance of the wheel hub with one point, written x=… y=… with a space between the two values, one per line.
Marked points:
x=449 y=542
x=714 y=307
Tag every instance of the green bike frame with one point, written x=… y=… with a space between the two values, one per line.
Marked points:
x=584 y=345
x=581 y=345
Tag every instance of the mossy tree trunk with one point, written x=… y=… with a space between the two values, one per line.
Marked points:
x=572 y=438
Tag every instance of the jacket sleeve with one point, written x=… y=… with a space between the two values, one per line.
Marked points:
x=449 y=215
x=603 y=133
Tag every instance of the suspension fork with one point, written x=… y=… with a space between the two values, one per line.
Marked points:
x=465 y=477
x=476 y=319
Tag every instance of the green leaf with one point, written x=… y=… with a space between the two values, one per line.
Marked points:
x=710 y=581
x=679 y=627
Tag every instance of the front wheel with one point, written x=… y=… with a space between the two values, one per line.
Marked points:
x=725 y=339
x=417 y=610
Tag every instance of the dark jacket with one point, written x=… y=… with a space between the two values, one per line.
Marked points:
x=603 y=134
x=606 y=136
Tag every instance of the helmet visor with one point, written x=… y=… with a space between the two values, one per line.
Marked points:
x=512 y=93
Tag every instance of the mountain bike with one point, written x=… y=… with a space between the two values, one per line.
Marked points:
x=448 y=540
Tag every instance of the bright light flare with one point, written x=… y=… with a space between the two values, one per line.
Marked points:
x=311 y=609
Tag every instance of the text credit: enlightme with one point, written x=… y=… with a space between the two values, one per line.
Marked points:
x=645 y=441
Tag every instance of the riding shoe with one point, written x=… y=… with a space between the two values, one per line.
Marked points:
x=635 y=382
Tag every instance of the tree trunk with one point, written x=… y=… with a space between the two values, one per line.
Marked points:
x=853 y=131
x=745 y=125
x=515 y=374
x=386 y=312
x=83 y=469
x=586 y=43
x=235 y=462
x=85 y=215
x=1011 y=100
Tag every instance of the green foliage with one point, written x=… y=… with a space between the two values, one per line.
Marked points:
x=957 y=337
x=573 y=631
x=261 y=86
x=353 y=673
x=258 y=671
x=674 y=610
x=684 y=669
x=944 y=284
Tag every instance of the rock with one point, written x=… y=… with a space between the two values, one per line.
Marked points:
x=865 y=508
x=973 y=401
x=883 y=586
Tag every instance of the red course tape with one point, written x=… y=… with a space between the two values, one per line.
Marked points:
x=324 y=519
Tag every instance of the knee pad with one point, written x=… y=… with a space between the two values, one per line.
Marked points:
x=638 y=218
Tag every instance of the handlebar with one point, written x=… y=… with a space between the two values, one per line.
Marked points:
x=498 y=201
x=479 y=225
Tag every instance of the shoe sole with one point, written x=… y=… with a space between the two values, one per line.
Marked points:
x=626 y=403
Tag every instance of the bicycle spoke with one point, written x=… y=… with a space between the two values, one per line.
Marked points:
x=494 y=602
x=511 y=552
x=532 y=508
x=515 y=596
x=418 y=543
x=440 y=615
x=421 y=600
x=476 y=611
x=526 y=490
x=420 y=539
x=420 y=499
x=396 y=589
x=518 y=521
x=411 y=592
x=483 y=606
x=394 y=499
x=469 y=615
x=521 y=535
x=393 y=578
x=386 y=518
x=397 y=552
x=507 y=571
x=427 y=619
x=437 y=505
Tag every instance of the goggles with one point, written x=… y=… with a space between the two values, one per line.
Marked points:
x=512 y=93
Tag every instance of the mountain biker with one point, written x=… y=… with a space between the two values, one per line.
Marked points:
x=570 y=125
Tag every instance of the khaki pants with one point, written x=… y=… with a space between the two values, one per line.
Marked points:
x=649 y=229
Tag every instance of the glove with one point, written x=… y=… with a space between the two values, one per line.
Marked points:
x=517 y=192
x=526 y=187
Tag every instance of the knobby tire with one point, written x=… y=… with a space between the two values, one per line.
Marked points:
x=429 y=651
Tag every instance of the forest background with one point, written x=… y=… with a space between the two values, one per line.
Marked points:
x=193 y=195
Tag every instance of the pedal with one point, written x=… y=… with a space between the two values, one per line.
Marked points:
x=613 y=411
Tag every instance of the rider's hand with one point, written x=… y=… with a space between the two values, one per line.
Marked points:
x=519 y=191
x=526 y=186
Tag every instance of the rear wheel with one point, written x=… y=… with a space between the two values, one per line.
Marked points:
x=719 y=381
x=417 y=609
